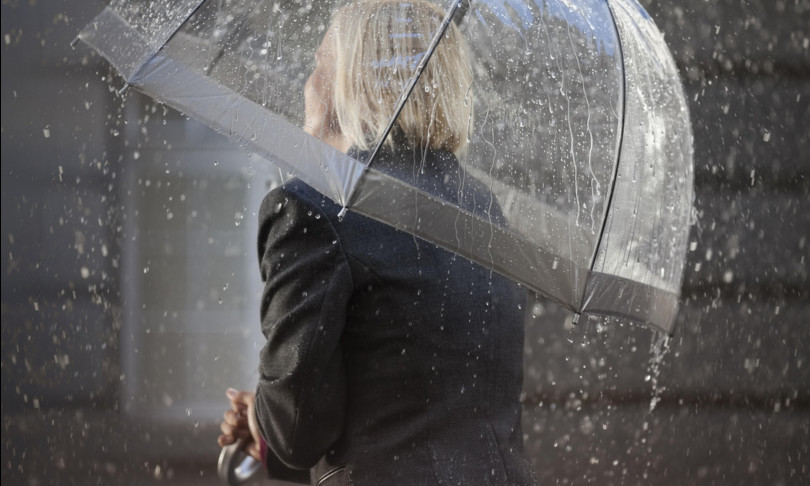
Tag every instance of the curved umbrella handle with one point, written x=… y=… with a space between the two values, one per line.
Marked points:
x=234 y=466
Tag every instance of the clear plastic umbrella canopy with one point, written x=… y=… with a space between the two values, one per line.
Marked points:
x=579 y=131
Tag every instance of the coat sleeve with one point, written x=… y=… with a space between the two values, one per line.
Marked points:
x=301 y=395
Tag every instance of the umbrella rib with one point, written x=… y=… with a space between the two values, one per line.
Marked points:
x=233 y=34
x=448 y=18
x=157 y=46
x=618 y=152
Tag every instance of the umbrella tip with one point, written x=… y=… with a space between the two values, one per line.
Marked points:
x=342 y=213
x=74 y=42
x=575 y=320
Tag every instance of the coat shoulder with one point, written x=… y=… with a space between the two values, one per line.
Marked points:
x=296 y=194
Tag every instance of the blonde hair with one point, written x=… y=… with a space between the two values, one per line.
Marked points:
x=378 y=45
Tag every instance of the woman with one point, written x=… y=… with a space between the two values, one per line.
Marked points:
x=388 y=360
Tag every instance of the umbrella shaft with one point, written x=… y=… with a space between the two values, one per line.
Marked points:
x=455 y=4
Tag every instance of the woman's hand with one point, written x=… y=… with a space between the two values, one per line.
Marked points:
x=240 y=423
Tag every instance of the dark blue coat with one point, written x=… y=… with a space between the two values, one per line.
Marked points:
x=388 y=360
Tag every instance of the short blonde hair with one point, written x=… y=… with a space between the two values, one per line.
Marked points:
x=378 y=45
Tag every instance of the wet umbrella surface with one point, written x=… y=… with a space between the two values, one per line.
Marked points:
x=578 y=128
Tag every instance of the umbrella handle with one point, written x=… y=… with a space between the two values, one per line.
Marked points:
x=234 y=466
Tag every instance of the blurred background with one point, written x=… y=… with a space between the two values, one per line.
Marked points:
x=130 y=287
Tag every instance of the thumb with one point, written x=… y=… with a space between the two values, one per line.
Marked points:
x=240 y=399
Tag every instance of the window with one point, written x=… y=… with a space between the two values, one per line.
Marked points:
x=191 y=284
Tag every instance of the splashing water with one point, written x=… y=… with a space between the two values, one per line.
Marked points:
x=659 y=347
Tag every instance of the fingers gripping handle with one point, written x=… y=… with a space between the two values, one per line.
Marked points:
x=234 y=466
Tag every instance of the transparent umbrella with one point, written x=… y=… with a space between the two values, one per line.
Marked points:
x=580 y=131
